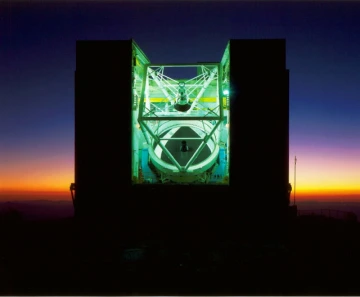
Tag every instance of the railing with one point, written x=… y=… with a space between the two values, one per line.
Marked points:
x=330 y=213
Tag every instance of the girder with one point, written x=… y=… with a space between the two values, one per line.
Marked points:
x=159 y=118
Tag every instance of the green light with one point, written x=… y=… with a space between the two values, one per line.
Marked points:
x=226 y=92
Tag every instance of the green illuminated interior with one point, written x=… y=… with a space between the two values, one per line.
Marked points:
x=180 y=127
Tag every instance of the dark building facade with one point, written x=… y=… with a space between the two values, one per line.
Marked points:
x=259 y=159
x=260 y=121
x=102 y=111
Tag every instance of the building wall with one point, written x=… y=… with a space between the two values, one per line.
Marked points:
x=259 y=83
x=102 y=123
x=259 y=144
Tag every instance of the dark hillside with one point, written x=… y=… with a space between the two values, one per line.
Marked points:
x=60 y=257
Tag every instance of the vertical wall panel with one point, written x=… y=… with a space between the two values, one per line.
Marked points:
x=102 y=123
x=260 y=123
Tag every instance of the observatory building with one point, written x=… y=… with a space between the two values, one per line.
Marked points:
x=206 y=133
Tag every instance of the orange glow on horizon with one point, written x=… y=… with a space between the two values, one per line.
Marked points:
x=46 y=176
x=324 y=174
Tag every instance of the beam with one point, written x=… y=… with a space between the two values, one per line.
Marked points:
x=200 y=148
x=180 y=118
x=161 y=86
x=206 y=84
x=158 y=142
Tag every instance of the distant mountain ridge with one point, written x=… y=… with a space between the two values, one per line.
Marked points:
x=45 y=209
x=330 y=205
x=39 y=209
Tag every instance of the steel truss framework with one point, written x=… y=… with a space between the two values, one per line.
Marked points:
x=157 y=113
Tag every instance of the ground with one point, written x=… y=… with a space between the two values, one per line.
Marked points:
x=318 y=257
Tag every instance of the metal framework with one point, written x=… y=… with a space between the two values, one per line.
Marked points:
x=158 y=114
x=195 y=106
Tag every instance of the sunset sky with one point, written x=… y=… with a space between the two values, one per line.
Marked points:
x=37 y=64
